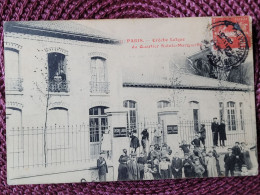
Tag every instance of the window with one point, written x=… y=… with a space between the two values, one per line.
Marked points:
x=163 y=104
x=195 y=114
x=98 y=125
x=57 y=72
x=241 y=115
x=98 y=83
x=13 y=80
x=221 y=111
x=231 y=116
x=131 y=115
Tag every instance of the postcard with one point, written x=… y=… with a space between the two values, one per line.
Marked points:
x=129 y=99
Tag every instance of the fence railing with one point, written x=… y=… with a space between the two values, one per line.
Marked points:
x=13 y=84
x=59 y=145
x=28 y=147
x=58 y=86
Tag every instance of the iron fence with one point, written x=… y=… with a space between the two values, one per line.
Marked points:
x=59 y=145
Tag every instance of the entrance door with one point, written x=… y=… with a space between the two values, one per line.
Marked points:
x=97 y=127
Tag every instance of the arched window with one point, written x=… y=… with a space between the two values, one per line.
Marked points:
x=98 y=125
x=231 y=116
x=57 y=72
x=58 y=116
x=98 y=83
x=132 y=114
x=12 y=71
x=163 y=104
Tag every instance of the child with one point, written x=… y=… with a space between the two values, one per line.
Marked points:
x=188 y=167
x=211 y=165
x=203 y=163
x=185 y=147
x=176 y=166
x=244 y=171
x=198 y=168
x=196 y=142
x=215 y=154
x=155 y=169
x=148 y=172
x=164 y=168
x=230 y=161
x=102 y=167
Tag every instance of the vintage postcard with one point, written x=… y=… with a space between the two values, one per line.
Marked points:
x=129 y=99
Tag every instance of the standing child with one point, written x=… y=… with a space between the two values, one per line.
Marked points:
x=198 y=168
x=230 y=161
x=211 y=165
x=188 y=167
x=134 y=144
x=164 y=168
x=155 y=169
x=102 y=167
x=148 y=172
x=177 y=166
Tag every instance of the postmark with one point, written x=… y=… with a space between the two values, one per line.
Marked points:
x=227 y=49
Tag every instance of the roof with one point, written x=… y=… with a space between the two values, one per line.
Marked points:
x=60 y=29
x=181 y=81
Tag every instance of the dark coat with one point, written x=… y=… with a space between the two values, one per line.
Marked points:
x=176 y=163
x=230 y=161
x=185 y=148
x=236 y=151
x=222 y=132
x=134 y=142
x=214 y=127
x=196 y=142
x=122 y=168
x=188 y=168
x=202 y=132
x=102 y=168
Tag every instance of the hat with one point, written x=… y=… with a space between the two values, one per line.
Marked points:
x=215 y=118
x=102 y=152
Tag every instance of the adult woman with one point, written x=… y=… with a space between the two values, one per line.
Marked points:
x=122 y=169
x=222 y=133
x=211 y=165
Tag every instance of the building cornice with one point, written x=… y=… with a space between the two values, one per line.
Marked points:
x=23 y=29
